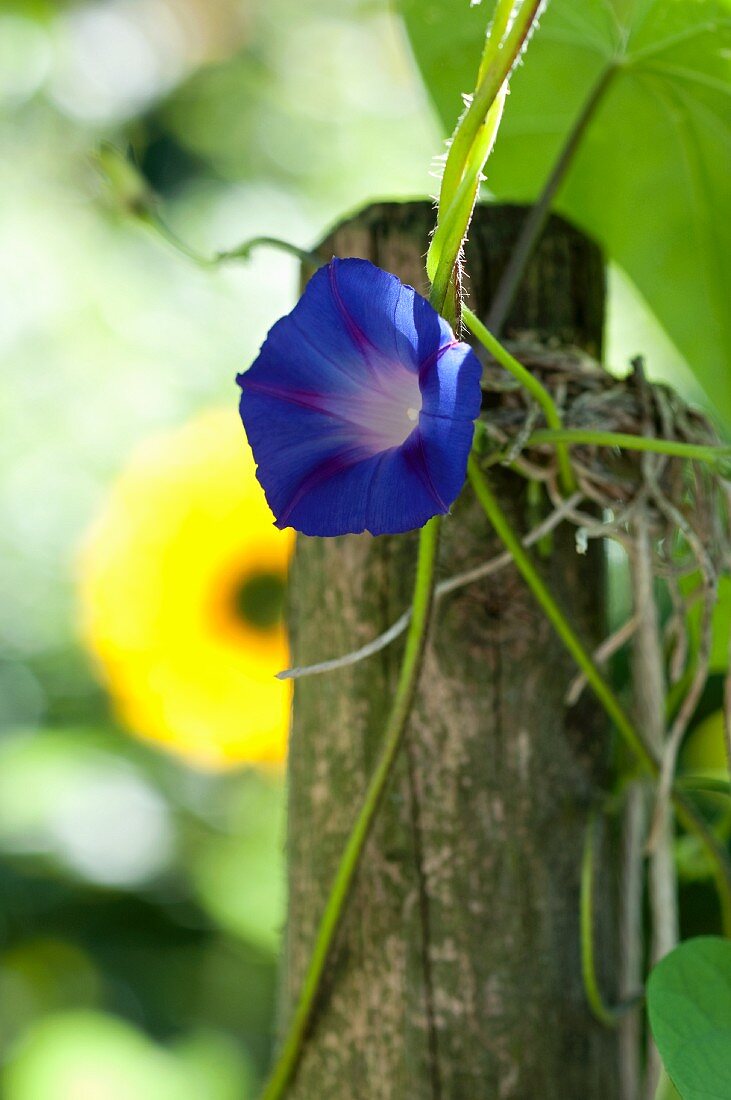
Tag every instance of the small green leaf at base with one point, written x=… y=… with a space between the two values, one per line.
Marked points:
x=689 y=1003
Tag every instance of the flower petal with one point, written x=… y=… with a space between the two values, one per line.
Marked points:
x=445 y=449
x=384 y=494
x=450 y=382
x=334 y=499
x=289 y=443
x=391 y=317
x=359 y=407
x=403 y=494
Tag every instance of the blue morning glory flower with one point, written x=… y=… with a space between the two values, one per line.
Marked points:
x=360 y=406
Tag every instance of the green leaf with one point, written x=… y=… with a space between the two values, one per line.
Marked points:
x=652 y=176
x=689 y=1003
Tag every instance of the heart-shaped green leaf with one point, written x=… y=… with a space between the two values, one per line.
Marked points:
x=689 y=1003
x=651 y=179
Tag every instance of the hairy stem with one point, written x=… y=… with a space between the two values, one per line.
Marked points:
x=446 y=243
x=496 y=72
x=289 y=1055
x=495 y=34
x=471 y=144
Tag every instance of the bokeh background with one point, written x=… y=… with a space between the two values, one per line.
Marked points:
x=142 y=733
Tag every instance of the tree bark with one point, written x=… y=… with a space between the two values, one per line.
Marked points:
x=456 y=974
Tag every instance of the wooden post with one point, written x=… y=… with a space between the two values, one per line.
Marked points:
x=456 y=974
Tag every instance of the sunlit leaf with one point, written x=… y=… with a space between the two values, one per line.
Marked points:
x=689 y=1003
x=652 y=177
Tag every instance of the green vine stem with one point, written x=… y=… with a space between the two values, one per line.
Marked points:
x=472 y=141
x=240 y=252
x=685 y=811
x=711 y=453
x=446 y=243
x=565 y=631
x=243 y=251
x=608 y=1015
x=289 y=1055
x=531 y=384
x=600 y=1010
x=496 y=71
x=495 y=34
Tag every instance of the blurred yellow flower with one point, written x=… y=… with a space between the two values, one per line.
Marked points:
x=181 y=584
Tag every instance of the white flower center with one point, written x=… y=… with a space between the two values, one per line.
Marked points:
x=384 y=414
x=390 y=414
